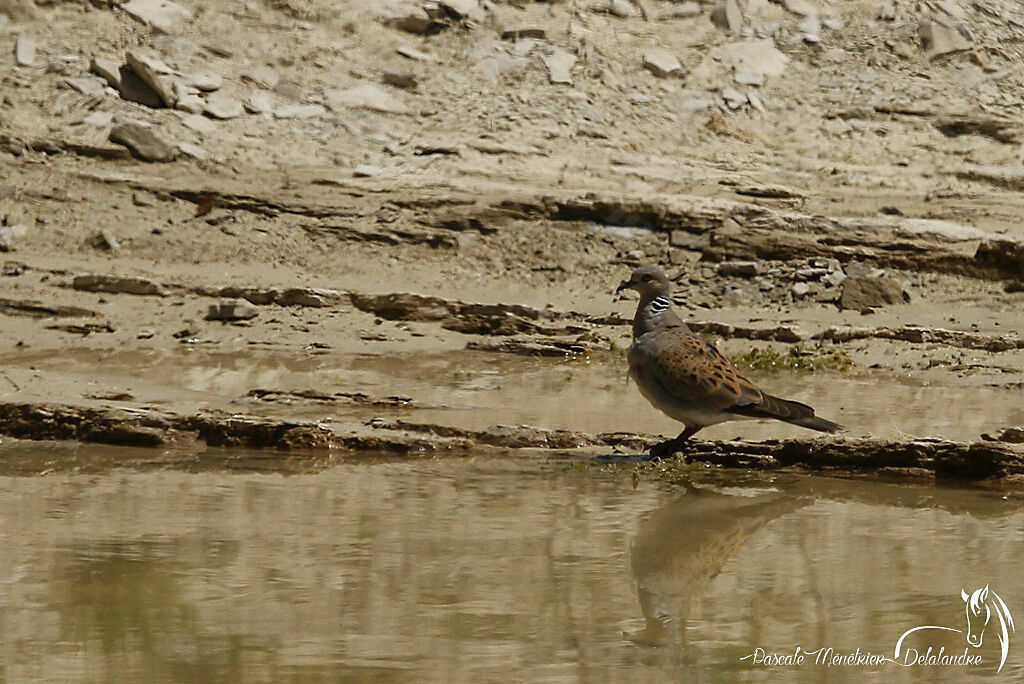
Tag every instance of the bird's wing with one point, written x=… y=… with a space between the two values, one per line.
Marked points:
x=691 y=370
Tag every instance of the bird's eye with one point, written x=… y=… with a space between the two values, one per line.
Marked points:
x=647 y=278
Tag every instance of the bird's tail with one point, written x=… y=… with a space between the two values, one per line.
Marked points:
x=819 y=424
x=791 y=412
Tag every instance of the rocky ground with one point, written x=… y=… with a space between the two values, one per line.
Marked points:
x=339 y=216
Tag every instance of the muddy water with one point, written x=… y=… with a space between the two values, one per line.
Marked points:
x=236 y=567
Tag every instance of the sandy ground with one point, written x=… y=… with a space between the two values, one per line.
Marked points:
x=489 y=184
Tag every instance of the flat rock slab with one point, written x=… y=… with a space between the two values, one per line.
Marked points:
x=223 y=107
x=300 y=111
x=414 y=54
x=206 y=81
x=866 y=292
x=661 y=62
x=155 y=74
x=939 y=39
x=752 y=57
x=231 y=310
x=199 y=124
x=560 y=63
x=143 y=142
x=162 y=15
x=727 y=16
x=259 y=103
x=365 y=96
x=96 y=282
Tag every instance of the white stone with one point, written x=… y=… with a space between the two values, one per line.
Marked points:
x=99 y=119
x=685 y=10
x=162 y=15
x=86 y=86
x=155 y=74
x=25 y=51
x=752 y=56
x=418 y=55
x=108 y=69
x=622 y=8
x=222 y=107
x=205 y=80
x=194 y=151
x=751 y=78
x=367 y=171
x=365 y=96
x=464 y=9
x=661 y=62
x=299 y=111
x=199 y=124
x=800 y=7
x=259 y=103
x=560 y=63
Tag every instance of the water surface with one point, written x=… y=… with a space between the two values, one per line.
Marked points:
x=247 y=567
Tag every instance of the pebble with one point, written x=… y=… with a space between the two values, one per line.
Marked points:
x=939 y=39
x=367 y=171
x=685 y=10
x=107 y=69
x=191 y=103
x=143 y=142
x=418 y=21
x=400 y=79
x=153 y=73
x=85 y=85
x=622 y=8
x=199 y=124
x=560 y=63
x=25 y=51
x=524 y=32
x=106 y=240
x=143 y=199
x=193 y=151
x=727 y=16
x=289 y=89
x=299 y=111
x=221 y=106
x=162 y=15
x=417 y=55
x=661 y=62
x=739 y=269
x=207 y=81
x=365 y=96
x=750 y=78
x=259 y=103
x=231 y=310
x=263 y=76
x=99 y=119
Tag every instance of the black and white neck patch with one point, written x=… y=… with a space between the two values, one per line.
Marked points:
x=659 y=305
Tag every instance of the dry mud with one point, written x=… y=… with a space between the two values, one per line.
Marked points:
x=411 y=274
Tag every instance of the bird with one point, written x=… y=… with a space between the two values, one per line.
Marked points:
x=688 y=379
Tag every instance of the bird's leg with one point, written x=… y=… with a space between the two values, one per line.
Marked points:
x=668 y=447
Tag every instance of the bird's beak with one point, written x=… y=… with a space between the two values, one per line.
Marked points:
x=624 y=285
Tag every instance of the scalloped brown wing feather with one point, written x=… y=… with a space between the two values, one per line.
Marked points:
x=694 y=371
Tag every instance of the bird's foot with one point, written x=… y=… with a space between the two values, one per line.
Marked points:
x=663 y=450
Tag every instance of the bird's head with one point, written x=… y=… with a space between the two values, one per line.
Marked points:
x=648 y=281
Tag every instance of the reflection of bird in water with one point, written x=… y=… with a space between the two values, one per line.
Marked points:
x=685 y=544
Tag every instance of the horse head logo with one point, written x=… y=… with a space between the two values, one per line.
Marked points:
x=980 y=605
x=978 y=614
